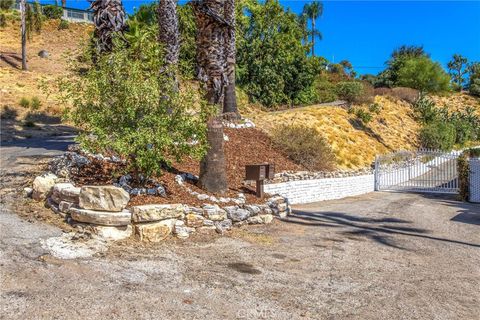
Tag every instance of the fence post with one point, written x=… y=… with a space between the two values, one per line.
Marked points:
x=376 y=182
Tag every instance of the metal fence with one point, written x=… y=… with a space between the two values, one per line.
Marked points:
x=417 y=171
x=474 y=177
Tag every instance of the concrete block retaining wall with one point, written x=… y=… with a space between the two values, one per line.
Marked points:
x=306 y=191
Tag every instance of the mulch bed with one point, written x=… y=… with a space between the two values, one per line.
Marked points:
x=245 y=146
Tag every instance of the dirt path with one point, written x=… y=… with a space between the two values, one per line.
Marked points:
x=379 y=256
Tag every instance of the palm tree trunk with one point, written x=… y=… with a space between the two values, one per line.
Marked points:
x=313 y=36
x=109 y=18
x=24 y=34
x=169 y=37
x=64 y=3
x=211 y=64
x=230 y=101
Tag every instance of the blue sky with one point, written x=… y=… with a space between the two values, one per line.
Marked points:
x=366 y=32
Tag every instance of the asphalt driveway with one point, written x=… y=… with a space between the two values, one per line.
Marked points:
x=378 y=256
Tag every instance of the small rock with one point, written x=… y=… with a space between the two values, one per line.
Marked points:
x=266 y=218
x=64 y=206
x=214 y=212
x=125 y=180
x=154 y=231
x=113 y=233
x=43 y=54
x=255 y=220
x=65 y=192
x=194 y=220
x=208 y=223
x=277 y=199
x=103 y=198
x=282 y=207
x=223 y=226
x=182 y=231
x=42 y=186
x=237 y=214
x=254 y=210
x=27 y=192
x=203 y=197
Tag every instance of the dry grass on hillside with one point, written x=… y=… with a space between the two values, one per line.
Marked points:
x=458 y=101
x=15 y=83
x=354 y=146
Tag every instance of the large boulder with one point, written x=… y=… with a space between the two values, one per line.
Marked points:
x=154 y=231
x=103 y=198
x=65 y=192
x=157 y=212
x=105 y=218
x=42 y=186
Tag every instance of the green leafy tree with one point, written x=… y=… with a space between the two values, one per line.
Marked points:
x=389 y=77
x=271 y=63
x=313 y=11
x=119 y=107
x=423 y=74
x=457 y=68
x=474 y=79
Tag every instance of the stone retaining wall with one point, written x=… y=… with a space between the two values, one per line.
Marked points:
x=312 y=190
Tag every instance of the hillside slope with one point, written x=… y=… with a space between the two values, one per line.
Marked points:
x=354 y=145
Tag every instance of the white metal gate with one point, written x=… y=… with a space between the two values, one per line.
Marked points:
x=474 y=177
x=417 y=171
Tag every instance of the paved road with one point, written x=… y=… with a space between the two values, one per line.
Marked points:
x=379 y=256
x=46 y=146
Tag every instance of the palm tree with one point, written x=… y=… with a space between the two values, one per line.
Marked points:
x=23 y=12
x=230 y=101
x=211 y=28
x=313 y=11
x=169 y=36
x=109 y=18
x=64 y=3
x=303 y=22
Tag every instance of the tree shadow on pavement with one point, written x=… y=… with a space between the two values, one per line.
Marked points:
x=467 y=212
x=379 y=230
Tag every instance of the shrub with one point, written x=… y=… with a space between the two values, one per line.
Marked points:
x=425 y=109
x=423 y=74
x=364 y=117
x=53 y=12
x=3 y=20
x=474 y=88
x=305 y=146
x=350 y=91
x=125 y=107
x=63 y=25
x=6 y=4
x=463 y=169
x=24 y=102
x=438 y=135
x=474 y=152
x=326 y=91
x=35 y=103
x=406 y=94
x=375 y=108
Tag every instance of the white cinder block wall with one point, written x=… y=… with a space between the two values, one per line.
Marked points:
x=306 y=191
